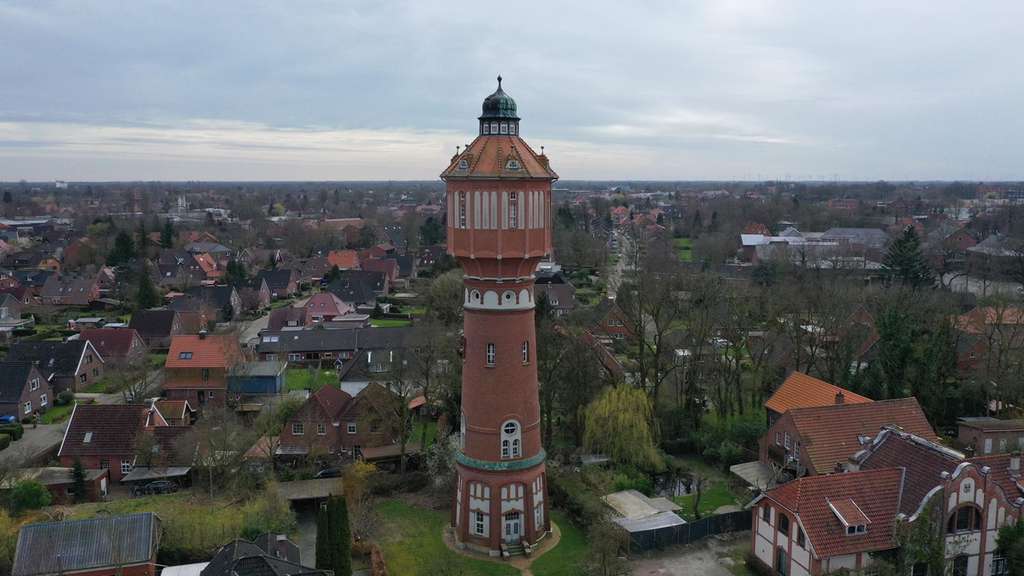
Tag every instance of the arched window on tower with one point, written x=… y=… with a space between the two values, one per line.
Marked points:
x=511 y=440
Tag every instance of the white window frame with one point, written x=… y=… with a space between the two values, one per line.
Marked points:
x=27 y=407
x=351 y=428
x=479 y=523
x=787 y=440
x=321 y=429
x=298 y=429
x=526 y=352
x=491 y=355
x=43 y=400
x=462 y=210
x=511 y=440
x=126 y=466
x=513 y=210
x=33 y=384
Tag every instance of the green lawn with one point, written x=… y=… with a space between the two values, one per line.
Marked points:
x=684 y=247
x=57 y=414
x=302 y=379
x=412 y=544
x=716 y=495
x=417 y=430
x=417 y=311
x=566 y=558
x=97 y=387
x=389 y=323
x=156 y=361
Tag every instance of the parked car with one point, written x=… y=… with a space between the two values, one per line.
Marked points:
x=328 y=473
x=8 y=419
x=155 y=487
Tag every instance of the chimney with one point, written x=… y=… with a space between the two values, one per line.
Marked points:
x=840 y=398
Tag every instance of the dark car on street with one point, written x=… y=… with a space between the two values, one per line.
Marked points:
x=156 y=487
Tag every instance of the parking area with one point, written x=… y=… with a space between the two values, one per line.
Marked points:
x=713 y=556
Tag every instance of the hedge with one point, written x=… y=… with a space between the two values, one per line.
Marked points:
x=5 y=441
x=15 y=431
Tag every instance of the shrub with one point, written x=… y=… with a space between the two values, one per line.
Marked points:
x=28 y=495
x=15 y=431
x=755 y=565
x=384 y=484
x=5 y=440
x=632 y=479
x=64 y=398
x=570 y=493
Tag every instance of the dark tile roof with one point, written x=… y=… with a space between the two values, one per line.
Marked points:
x=244 y=557
x=358 y=286
x=277 y=279
x=59 y=358
x=103 y=429
x=110 y=342
x=218 y=296
x=314 y=340
x=78 y=545
x=153 y=323
x=13 y=376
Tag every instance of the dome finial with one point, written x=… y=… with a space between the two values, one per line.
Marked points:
x=499 y=80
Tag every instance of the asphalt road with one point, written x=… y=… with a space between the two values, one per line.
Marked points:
x=34 y=442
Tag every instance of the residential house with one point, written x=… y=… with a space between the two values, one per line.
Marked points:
x=282 y=282
x=556 y=288
x=120 y=346
x=984 y=435
x=366 y=284
x=215 y=249
x=11 y=310
x=197 y=368
x=33 y=281
x=69 y=290
x=985 y=329
x=387 y=266
x=157 y=327
x=819 y=439
x=224 y=300
x=331 y=347
x=268 y=556
x=287 y=317
x=324 y=307
x=316 y=427
x=107 y=436
x=126 y=545
x=175 y=412
x=611 y=322
x=23 y=390
x=343 y=259
x=799 y=390
x=72 y=365
x=255 y=296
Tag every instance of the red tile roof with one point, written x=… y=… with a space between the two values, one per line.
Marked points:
x=209 y=351
x=488 y=156
x=848 y=511
x=1001 y=474
x=172 y=408
x=875 y=492
x=801 y=391
x=924 y=460
x=343 y=259
x=830 y=434
x=332 y=400
x=980 y=319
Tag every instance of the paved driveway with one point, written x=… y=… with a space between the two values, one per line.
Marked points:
x=710 y=557
x=34 y=443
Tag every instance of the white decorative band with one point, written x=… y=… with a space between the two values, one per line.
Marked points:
x=476 y=299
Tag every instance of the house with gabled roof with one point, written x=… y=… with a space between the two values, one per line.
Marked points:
x=799 y=390
x=282 y=282
x=197 y=368
x=107 y=436
x=122 y=346
x=820 y=439
x=71 y=365
x=156 y=327
x=23 y=390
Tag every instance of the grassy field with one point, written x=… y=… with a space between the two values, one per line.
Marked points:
x=389 y=323
x=566 y=558
x=302 y=379
x=684 y=247
x=417 y=311
x=156 y=360
x=417 y=431
x=718 y=494
x=413 y=546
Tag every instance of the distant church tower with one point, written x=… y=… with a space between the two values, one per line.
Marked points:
x=499 y=212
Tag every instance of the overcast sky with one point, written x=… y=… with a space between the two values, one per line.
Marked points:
x=246 y=90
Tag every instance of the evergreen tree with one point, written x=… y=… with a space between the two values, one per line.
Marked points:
x=334 y=537
x=907 y=263
x=236 y=274
x=78 y=481
x=147 y=296
x=123 y=250
x=167 y=234
x=7 y=197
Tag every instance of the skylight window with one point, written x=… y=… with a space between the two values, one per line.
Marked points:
x=88 y=438
x=184 y=355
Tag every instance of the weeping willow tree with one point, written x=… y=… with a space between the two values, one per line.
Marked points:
x=618 y=423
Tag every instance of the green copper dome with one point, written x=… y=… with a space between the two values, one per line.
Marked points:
x=499 y=105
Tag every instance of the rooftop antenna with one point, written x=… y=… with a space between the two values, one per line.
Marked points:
x=499 y=81
x=542 y=150
x=457 y=150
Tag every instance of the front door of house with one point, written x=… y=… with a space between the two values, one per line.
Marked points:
x=513 y=530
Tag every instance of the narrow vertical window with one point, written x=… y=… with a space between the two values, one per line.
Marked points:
x=491 y=354
x=511 y=440
x=462 y=209
x=513 y=210
x=526 y=352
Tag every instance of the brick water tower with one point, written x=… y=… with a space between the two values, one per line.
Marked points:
x=499 y=214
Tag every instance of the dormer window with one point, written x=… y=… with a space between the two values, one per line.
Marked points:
x=512 y=164
x=463 y=164
x=850 y=516
x=184 y=356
